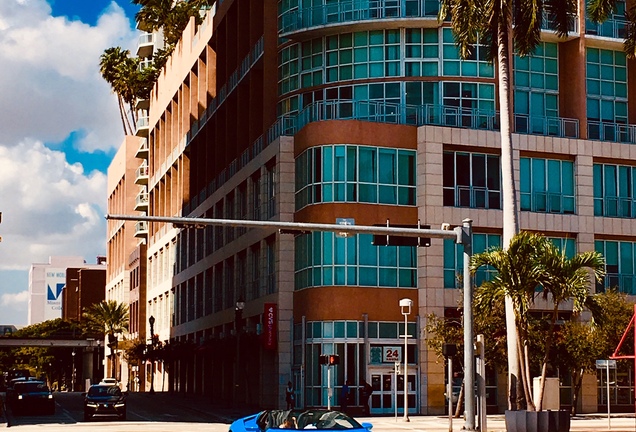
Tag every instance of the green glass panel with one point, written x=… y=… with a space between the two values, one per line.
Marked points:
x=627 y=258
x=352 y=329
x=387 y=331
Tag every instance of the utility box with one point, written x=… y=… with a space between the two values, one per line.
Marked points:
x=551 y=393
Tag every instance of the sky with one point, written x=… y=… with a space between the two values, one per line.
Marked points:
x=59 y=129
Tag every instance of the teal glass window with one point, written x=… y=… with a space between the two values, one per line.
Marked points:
x=619 y=265
x=349 y=173
x=471 y=180
x=614 y=190
x=547 y=185
x=606 y=80
x=454 y=259
x=323 y=259
x=565 y=244
x=475 y=65
x=288 y=69
x=311 y=63
x=536 y=90
x=421 y=52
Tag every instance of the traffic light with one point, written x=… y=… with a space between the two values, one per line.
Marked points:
x=397 y=240
x=329 y=359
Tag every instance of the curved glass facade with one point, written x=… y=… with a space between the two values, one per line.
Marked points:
x=324 y=259
x=296 y=15
x=350 y=173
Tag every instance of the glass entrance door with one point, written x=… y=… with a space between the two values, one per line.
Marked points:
x=389 y=392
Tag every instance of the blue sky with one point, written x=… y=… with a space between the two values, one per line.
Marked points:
x=59 y=129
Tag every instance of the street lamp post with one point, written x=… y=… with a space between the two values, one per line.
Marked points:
x=151 y=321
x=405 y=308
x=238 y=316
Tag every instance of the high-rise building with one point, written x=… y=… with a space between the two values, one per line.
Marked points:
x=312 y=110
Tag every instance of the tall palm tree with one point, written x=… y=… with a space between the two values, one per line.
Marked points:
x=111 y=318
x=491 y=24
x=565 y=279
x=110 y=68
x=169 y=15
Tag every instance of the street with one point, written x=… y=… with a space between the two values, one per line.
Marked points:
x=144 y=412
x=163 y=412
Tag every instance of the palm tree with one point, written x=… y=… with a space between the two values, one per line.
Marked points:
x=566 y=279
x=111 y=318
x=516 y=279
x=110 y=68
x=532 y=261
x=490 y=23
x=171 y=16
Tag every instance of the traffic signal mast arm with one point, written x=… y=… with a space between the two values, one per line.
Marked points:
x=185 y=222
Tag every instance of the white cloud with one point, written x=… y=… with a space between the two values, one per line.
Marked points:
x=49 y=207
x=50 y=81
x=15 y=299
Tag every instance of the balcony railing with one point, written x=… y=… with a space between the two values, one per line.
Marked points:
x=607 y=131
x=612 y=28
x=546 y=202
x=141 y=176
x=146 y=39
x=141 y=229
x=619 y=207
x=142 y=151
x=141 y=201
x=548 y=126
x=356 y=10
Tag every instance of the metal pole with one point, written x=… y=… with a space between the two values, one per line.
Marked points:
x=481 y=382
x=449 y=392
x=469 y=358
x=329 y=390
x=406 y=374
x=395 y=397
x=609 y=421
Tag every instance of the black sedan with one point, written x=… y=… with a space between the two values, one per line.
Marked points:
x=105 y=400
x=31 y=397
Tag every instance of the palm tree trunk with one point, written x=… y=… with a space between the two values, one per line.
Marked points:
x=122 y=114
x=525 y=398
x=546 y=357
x=460 y=400
x=509 y=193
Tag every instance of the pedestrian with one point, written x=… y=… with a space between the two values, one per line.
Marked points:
x=344 y=397
x=365 y=395
x=289 y=396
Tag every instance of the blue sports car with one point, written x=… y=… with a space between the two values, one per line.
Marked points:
x=296 y=419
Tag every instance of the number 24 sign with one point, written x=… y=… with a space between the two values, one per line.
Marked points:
x=391 y=354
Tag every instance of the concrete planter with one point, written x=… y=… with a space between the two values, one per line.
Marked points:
x=538 y=421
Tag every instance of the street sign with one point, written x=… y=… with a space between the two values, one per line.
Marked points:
x=346 y=222
x=605 y=364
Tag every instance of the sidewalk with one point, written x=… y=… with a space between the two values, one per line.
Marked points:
x=496 y=423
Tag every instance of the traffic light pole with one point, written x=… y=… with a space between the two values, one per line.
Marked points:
x=461 y=234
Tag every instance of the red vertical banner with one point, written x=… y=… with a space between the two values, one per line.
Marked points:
x=270 y=318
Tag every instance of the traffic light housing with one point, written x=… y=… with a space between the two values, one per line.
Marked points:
x=329 y=359
x=398 y=240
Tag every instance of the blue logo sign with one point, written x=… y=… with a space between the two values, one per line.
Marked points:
x=54 y=295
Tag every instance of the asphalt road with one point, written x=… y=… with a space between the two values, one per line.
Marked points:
x=144 y=413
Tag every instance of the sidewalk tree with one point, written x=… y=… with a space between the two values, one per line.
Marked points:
x=579 y=344
x=110 y=318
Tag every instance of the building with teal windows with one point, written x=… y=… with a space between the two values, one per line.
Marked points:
x=316 y=110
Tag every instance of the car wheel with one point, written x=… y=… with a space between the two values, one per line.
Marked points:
x=87 y=416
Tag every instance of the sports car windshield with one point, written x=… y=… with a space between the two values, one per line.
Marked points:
x=311 y=419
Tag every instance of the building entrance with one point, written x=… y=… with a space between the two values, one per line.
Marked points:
x=388 y=392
